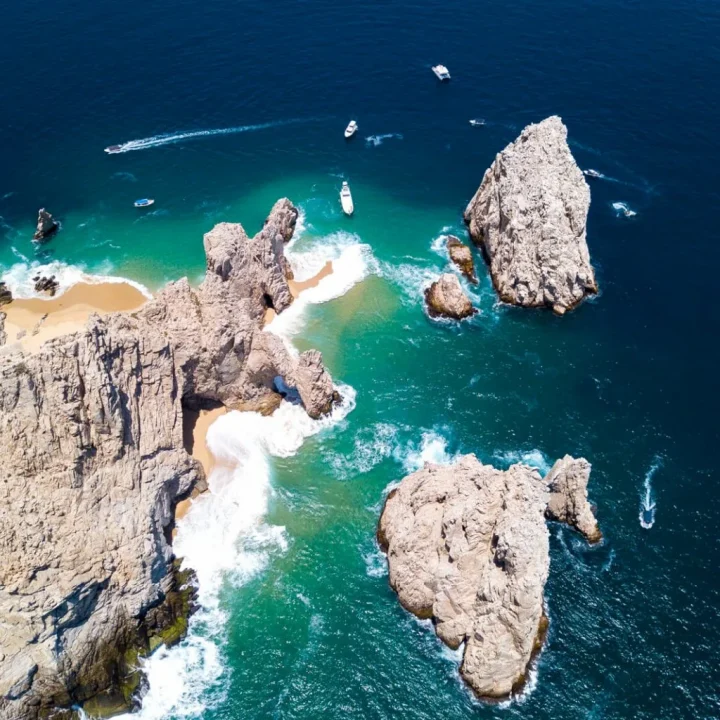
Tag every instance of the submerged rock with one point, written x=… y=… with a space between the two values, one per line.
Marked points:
x=467 y=545
x=446 y=298
x=461 y=255
x=91 y=438
x=46 y=225
x=48 y=285
x=529 y=218
x=568 y=503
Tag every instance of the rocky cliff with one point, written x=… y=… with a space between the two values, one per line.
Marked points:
x=529 y=218
x=92 y=445
x=46 y=226
x=467 y=546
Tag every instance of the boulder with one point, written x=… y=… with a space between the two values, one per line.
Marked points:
x=467 y=546
x=461 y=255
x=5 y=294
x=47 y=285
x=446 y=298
x=91 y=439
x=529 y=218
x=567 y=482
x=46 y=226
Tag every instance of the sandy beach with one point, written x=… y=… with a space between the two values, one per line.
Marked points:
x=296 y=287
x=29 y=323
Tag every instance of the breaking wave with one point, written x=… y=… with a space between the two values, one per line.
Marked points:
x=19 y=277
x=170 y=138
x=185 y=680
x=534 y=458
x=623 y=209
x=432 y=448
x=375 y=140
x=647 y=498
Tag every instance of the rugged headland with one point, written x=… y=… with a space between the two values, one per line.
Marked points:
x=91 y=437
x=529 y=218
x=467 y=546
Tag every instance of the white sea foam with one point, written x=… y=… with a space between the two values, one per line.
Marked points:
x=375 y=140
x=352 y=261
x=647 y=498
x=410 y=278
x=438 y=244
x=19 y=277
x=623 y=209
x=169 y=138
x=372 y=445
x=224 y=539
x=534 y=458
x=375 y=562
x=432 y=448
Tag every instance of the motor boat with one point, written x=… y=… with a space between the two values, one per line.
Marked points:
x=143 y=202
x=113 y=149
x=592 y=173
x=346 y=199
x=441 y=71
x=477 y=122
x=351 y=129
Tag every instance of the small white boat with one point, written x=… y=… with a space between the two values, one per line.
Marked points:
x=592 y=173
x=346 y=199
x=477 y=122
x=351 y=129
x=144 y=202
x=112 y=149
x=441 y=71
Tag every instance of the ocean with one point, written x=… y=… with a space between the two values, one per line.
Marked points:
x=229 y=106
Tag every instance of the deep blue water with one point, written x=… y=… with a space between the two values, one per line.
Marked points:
x=629 y=379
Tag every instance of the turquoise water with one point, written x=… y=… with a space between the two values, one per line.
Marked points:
x=298 y=620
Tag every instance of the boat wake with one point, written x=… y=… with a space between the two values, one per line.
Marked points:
x=647 y=499
x=170 y=138
x=623 y=209
x=375 y=140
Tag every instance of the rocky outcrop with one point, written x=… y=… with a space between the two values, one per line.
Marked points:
x=47 y=226
x=5 y=294
x=529 y=218
x=91 y=438
x=47 y=285
x=461 y=255
x=3 y=334
x=568 y=502
x=467 y=545
x=446 y=298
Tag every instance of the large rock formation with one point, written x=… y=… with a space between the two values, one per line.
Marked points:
x=46 y=226
x=91 y=439
x=568 y=480
x=467 y=546
x=461 y=255
x=529 y=218
x=445 y=298
x=5 y=294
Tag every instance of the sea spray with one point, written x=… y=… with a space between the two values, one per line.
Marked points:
x=224 y=539
x=432 y=448
x=647 y=497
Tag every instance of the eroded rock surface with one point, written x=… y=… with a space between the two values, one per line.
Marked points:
x=47 y=285
x=461 y=255
x=91 y=439
x=529 y=218
x=467 y=545
x=46 y=226
x=446 y=298
x=567 y=482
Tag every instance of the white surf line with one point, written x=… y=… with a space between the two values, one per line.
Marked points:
x=168 y=138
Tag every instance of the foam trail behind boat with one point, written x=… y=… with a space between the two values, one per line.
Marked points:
x=647 y=499
x=168 y=138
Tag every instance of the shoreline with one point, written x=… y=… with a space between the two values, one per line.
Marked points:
x=30 y=322
x=299 y=286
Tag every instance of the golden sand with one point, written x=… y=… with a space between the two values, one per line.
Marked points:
x=38 y=320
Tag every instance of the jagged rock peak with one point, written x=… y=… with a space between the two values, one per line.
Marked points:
x=467 y=546
x=91 y=438
x=529 y=218
x=461 y=255
x=567 y=482
x=446 y=298
x=46 y=225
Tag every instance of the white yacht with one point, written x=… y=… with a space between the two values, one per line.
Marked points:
x=592 y=173
x=351 y=129
x=477 y=122
x=346 y=199
x=441 y=71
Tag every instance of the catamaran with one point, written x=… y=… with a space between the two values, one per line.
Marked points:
x=441 y=71
x=346 y=199
x=351 y=129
